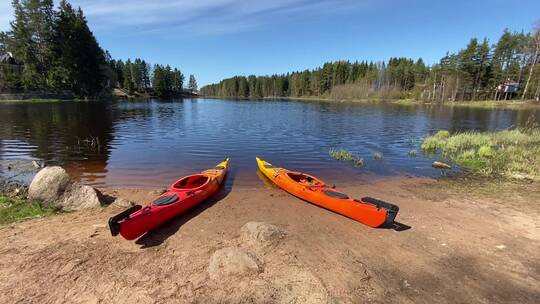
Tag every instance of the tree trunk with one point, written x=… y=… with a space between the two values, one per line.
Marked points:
x=531 y=70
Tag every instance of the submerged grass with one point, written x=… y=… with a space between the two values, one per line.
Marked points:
x=509 y=153
x=346 y=156
x=15 y=209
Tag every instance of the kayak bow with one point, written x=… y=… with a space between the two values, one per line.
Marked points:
x=369 y=211
x=181 y=196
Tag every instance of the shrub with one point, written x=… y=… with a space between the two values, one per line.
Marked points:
x=442 y=134
x=344 y=155
x=486 y=152
x=508 y=153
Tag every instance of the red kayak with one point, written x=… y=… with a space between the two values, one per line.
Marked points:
x=183 y=195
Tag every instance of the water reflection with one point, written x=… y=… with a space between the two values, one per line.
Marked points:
x=150 y=143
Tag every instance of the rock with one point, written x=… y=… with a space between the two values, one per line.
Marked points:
x=78 y=197
x=231 y=262
x=439 y=165
x=122 y=202
x=49 y=184
x=260 y=233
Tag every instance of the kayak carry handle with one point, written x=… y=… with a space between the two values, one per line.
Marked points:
x=114 y=224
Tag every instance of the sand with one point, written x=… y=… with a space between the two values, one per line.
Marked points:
x=451 y=247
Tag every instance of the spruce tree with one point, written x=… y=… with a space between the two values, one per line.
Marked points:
x=192 y=83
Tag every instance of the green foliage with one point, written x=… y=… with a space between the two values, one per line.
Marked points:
x=13 y=210
x=193 y=83
x=509 y=153
x=166 y=82
x=54 y=49
x=431 y=144
x=486 y=152
x=442 y=134
x=346 y=156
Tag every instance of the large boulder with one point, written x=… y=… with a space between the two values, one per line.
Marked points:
x=262 y=234
x=78 y=196
x=49 y=184
x=231 y=262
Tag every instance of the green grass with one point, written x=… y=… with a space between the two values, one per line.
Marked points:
x=494 y=104
x=14 y=210
x=509 y=153
x=347 y=156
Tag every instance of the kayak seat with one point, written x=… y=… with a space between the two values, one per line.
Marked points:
x=166 y=200
x=304 y=179
x=191 y=182
x=335 y=194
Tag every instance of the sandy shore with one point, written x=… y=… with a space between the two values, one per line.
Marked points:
x=460 y=248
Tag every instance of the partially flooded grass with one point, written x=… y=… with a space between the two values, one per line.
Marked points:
x=16 y=209
x=509 y=153
x=346 y=156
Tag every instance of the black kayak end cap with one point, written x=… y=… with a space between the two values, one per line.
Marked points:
x=114 y=222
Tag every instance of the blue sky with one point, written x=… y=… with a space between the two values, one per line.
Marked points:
x=222 y=38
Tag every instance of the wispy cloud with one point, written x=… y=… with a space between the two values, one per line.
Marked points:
x=193 y=16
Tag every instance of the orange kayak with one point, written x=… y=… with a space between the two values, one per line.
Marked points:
x=369 y=211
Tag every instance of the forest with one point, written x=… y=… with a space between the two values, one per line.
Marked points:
x=55 y=50
x=507 y=69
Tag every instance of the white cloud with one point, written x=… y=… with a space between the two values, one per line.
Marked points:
x=192 y=16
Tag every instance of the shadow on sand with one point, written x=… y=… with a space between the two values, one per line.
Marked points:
x=397 y=226
x=157 y=236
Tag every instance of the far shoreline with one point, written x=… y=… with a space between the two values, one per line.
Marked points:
x=486 y=104
x=513 y=104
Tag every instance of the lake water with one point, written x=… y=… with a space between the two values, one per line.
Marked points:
x=151 y=143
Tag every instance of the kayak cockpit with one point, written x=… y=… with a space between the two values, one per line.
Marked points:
x=304 y=179
x=191 y=182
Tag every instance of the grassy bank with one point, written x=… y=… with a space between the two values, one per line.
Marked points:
x=503 y=154
x=16 y=209
x=487 y=104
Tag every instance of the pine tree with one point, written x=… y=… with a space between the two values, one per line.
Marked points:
x=178 y=81
x=192 y=83
x=77 y=57
x=128 y=77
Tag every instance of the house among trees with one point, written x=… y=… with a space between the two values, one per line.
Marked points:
x=509 y=88
x=8 y=59
x=10 y=70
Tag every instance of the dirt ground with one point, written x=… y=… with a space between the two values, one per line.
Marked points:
x=451 y=247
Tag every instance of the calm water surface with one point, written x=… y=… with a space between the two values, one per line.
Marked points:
x=151 y=143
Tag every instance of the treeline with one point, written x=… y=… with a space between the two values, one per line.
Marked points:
x=507 y=69
x=55 y=50
x=140 y=77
